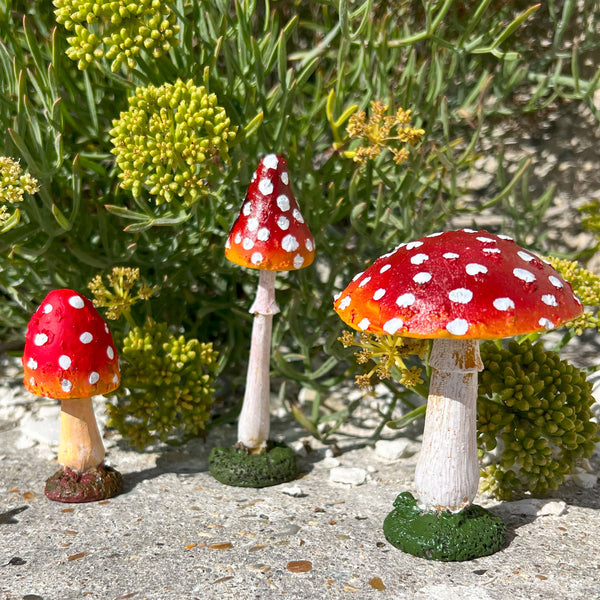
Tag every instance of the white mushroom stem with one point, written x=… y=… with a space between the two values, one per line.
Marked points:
x=81 y=446
x=447 y=471
x=254 y=420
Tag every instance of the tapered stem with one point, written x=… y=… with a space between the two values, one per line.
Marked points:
x=254 y=420
x=80 y=446
x=447 y=471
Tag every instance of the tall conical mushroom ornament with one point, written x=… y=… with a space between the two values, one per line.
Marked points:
x=70 y=355
x=455 y=288
x=270 y=235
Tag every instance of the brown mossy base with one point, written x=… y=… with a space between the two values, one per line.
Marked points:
x=467 y=534
x=100 y=483
x=235 y=467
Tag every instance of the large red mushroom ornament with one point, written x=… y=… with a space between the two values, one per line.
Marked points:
x=455 y=288
x=269 y=235
x=70 y=355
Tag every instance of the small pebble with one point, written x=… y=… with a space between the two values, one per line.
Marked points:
x=393 y=449
x=537 y=507
x=294 y=490
x=584 y=480
x=348 y=475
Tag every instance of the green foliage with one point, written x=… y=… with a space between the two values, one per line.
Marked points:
x=118 y=31
x=534 y=412
x=169 y=386
x=13 y=185
x=165 y=142
x=289 y=75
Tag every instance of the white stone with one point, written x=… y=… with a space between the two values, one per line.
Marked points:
x=537 y=507
x=295 y=491
x=583 y=479
x=393 y=449
x=43 y=428
x=348 y=475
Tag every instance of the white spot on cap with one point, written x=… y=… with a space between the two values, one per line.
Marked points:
x=357 y=276
x=505 y=237
x=555 y=281
x=450 y=255
x=364 y=282
x=106 y=328
x=379 y=294
x=364 y=324
x=32 y=364
x=238 y=238
x=289 y=243
x=393 y=325
x=524 y=275
x=298 y=261
x=435 y=234
x=461 y=295
x=270 y=161
x=485 y=240
x=345 y=303
x=309 y=245
x=475 y=269
x=247 y=209
x=525 y=256
x=549 y=299
x=457 y=327
x=48 y=308
x=265 y=187
x=337 y=295
x=228 y=243
x=492 y=250
x=467 y=230
x=40 y=339
x=252 y=224
x=298 y=215
x=32 y=381
x=64 y=361
x=283 y=202
x=247 y=244
x=254 y=176
x=94 y=377
x=503 y=304
x=110 y=352
x=263 y=234
x=283 y=223
x=66 y=385
x=419 y=259
x=546 y=323
x=285 y=178
x=422 y=277
x=256 y=258
x=115 y=378
x=385 y=268
x=412 y=245
x=76 y=301
x=405 y=300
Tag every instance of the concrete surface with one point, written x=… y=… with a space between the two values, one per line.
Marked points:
x=176 y=533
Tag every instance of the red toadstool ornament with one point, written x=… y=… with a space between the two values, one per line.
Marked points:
x=456 y=288
x=70 y=355
x=270 y=235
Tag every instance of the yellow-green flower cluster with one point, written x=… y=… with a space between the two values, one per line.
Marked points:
x=388 y=353
x=586 y=286
x=117 y=30
x=169 y=383
x=168 y=140
x=119 y=301
x=534 y=410
x=380 y=132
x=13 y=185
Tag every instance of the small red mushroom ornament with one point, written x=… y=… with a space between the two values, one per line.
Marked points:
x=70 y=355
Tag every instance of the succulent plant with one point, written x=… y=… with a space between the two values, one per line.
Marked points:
x=117 y=30
x=534 y=419
x=167 y=141
x=169 y=383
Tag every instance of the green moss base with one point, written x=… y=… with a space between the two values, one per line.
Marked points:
x=234 y=467
x=100 y=483
x=446 y=536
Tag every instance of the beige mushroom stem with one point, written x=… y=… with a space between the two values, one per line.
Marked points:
x=81 y=446
x=447 y=471
x=255 y=418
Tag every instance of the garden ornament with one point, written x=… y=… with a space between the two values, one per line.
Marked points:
x=70 y=355
x=270 y=235
x=455 y=288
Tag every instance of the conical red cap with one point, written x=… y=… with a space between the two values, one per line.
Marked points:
x=270 y=233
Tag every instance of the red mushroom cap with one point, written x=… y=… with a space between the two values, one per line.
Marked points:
x=69 y=351
x=459 y=284
x=270 y=233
